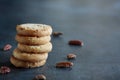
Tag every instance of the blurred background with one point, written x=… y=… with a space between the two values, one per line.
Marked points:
x=96 y=22
x=60 y=13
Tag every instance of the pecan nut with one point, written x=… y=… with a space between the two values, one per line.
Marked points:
x=71 y=56
x=64 y=64
x=4 y=69
x=40 y=77
x=7 y=47
x=57 y=33
x=75 y=42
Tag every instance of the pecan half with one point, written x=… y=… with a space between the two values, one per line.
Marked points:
x=64 y=64
x=75 y=42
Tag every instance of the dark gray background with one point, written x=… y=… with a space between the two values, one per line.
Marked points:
x=95 y=22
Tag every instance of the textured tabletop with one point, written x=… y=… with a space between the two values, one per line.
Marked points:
x=95 y=22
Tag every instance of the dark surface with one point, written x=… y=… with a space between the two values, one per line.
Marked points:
x=95 y=22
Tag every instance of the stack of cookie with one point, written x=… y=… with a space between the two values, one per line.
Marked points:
x=33 y=45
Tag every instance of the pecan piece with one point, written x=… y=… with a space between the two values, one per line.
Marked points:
x=71 y=56
x=75 y=42
x=7 y=47
x=57 y=34
x=40 y=77
x=4 y=69
x=64 y=64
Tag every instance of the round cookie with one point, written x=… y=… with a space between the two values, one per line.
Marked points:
x=32 y=40
x=19 y=63
x=28 y=56
x=35 y=48
x=30 y=29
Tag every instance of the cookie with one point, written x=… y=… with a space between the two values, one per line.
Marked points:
x=32 y=40
x=19 y=63
x=31 y=57
x=35 y=48
x=30 y=29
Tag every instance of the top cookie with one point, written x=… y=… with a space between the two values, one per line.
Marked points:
x=30 y=29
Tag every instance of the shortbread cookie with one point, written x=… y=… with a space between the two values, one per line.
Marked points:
x=19 y=63
x=32 y=40
x=34 y=29
x=35 y=48
x=31 y=57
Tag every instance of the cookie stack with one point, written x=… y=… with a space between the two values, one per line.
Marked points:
x=33 y=45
